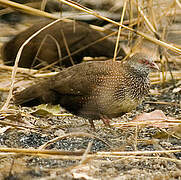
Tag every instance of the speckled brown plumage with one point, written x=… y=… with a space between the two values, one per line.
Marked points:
x=50 y=45
x=94 y=90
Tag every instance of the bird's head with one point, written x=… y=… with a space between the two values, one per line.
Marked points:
x=142 y=63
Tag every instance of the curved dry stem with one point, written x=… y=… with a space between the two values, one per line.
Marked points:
x=75 y=134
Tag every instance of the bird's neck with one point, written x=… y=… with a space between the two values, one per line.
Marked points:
x=139 y=82
x=138 y=71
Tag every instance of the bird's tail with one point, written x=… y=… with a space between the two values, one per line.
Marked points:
x=29 y=97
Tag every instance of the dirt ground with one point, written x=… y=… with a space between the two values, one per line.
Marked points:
x=146 y=147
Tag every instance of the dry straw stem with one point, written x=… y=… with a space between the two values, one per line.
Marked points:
x=40 y=47
x=119 y=32
x=178 y=3
x=78 y=155
x=85 y=155
x=42 y=75
x=124 y=153
x=148 y=157
x=43 y=4
x=29 y=72
x=40 y=152
x=20 y=70
x=163 y=102
x=155 y=121
x=27 y=9
x=17 y=126
x=158 y=77
x=67 y=48
x=148 y=22
x=30 y=4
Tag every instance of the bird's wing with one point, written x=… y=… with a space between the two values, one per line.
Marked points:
x=80 y=79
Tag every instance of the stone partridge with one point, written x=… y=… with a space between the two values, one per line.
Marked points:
x=53 y=44
x=94 y=90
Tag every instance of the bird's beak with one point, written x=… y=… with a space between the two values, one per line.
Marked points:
x=154 y=66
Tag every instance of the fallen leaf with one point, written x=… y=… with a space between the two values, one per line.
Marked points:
x=155 y=118
x=46 y=110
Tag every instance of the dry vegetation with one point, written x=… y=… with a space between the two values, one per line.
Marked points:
x=45 y=142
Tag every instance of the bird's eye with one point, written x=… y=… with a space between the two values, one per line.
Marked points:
x=143 y=61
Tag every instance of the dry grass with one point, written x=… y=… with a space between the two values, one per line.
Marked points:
x=150 y=18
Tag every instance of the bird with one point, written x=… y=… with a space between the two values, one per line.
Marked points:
x=53 y=43
x=94 y=90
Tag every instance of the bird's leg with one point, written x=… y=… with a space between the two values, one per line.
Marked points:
x=92 y=124
x=105 y=120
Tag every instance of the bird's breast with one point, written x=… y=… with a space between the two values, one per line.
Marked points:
x=124 y=106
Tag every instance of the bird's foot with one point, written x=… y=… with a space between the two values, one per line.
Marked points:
x=106 y=121
x=92 y=124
